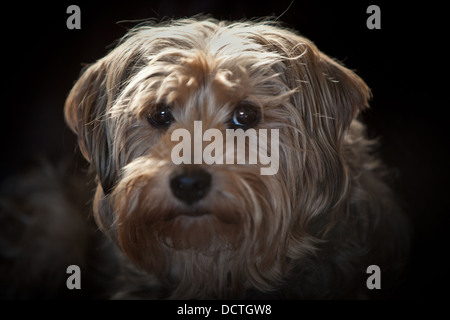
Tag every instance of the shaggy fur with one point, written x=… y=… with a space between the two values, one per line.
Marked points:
x=309 y=231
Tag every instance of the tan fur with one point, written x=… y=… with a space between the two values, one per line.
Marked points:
x=308 y=231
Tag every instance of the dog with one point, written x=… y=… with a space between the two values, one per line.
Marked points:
x=197 y=230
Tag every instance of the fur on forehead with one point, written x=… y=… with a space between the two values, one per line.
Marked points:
x=235 y=62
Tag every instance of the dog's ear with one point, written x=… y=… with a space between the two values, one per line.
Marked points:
x=333 y=94
x=343 y=94
x=84 y=112
x=328 y=95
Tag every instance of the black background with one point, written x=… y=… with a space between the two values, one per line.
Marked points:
x=404 y=63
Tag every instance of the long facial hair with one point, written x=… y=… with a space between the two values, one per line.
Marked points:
x=250 y=229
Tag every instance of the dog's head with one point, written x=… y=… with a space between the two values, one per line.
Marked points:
x=225 y=225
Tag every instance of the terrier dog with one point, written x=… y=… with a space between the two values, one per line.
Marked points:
x=222 y=230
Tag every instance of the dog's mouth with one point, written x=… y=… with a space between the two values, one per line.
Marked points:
x=195 y=213
x=200 y=214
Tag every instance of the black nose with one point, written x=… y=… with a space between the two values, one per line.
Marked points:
x=191 y=185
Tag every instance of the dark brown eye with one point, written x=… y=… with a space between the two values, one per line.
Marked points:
x=245 y=116
x=160 y=117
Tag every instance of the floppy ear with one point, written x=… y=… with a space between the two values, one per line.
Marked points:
x=343 y=95
x=84 y=112
x=329 y=95
x=91 y=98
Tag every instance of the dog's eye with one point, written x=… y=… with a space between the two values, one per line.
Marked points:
x=161 y=116
x=244 y=116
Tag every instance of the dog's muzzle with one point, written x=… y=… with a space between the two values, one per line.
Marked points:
x=191 y=185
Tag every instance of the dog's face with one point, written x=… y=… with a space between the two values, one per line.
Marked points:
x=214 y=228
